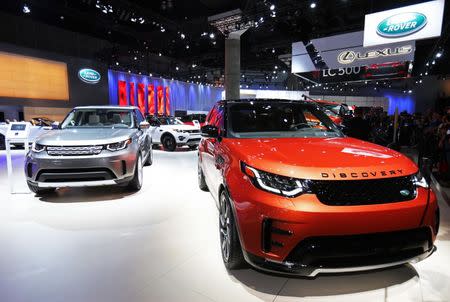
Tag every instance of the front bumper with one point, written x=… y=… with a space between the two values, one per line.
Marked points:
x=106 y=168
x=293 y=221
x=309 y=271
x=189 y=139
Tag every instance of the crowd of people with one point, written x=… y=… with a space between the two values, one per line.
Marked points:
x=427 y=133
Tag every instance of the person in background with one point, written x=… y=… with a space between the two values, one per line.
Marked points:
x=358 y=127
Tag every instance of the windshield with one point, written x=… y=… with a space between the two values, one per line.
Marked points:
x=99 y=118
x=279 y=119
x=169 y=121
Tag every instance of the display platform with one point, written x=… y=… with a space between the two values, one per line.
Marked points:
x=162 y=244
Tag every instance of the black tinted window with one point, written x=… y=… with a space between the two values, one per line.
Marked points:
x=279 y=119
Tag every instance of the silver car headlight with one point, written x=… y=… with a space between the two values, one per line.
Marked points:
x=119 y=145
x=420 y=181
x=179 y=130
x=37 y=147
x=277 y=184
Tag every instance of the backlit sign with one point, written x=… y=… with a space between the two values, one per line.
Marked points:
x=413 y=22
x=89 y=76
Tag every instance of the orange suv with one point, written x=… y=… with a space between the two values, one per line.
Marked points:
x=296 y=196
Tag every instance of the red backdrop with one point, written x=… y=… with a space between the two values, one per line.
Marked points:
x=160 y=100
x=141 y=97
x=123 y=93
x=151 y=99
x=132 y=94
x=167 y=100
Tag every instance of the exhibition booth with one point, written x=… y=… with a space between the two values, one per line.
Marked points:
x=272 y=151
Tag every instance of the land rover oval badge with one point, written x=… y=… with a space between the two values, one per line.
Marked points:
x=401 y=25
x=89 y=76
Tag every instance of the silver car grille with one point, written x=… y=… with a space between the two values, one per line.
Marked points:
x=73 y=150
x=193 y=131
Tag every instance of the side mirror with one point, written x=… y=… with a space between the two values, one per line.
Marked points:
x=210 y=131
x=144 y=125
x=55 y=125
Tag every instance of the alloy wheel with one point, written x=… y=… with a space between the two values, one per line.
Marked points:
x=225 y=227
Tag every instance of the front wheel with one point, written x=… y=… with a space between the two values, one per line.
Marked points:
x=229 y=241
x=136 y=183
x=169 y=143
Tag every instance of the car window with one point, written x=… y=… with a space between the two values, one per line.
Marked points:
x=99 y=118
x=139 y=116
x=279 y=119
x=215 y=116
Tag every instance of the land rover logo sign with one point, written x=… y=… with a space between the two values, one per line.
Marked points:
x=89 y=76
x=401 y=25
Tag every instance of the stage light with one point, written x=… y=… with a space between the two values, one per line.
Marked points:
x=212 y=36
x=438 y=55
x=313 y=5
x=183 y=36
x=272 y=7
x=26 y=9
x=117 y=63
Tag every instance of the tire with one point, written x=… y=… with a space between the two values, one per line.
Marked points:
x=40 y=191
x=201 y=179
x=169 y=143
x=149 y=160
x=136 y=183
x=229 y=241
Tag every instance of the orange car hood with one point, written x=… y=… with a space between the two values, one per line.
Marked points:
x=321 y=158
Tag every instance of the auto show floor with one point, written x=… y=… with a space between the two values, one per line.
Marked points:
x=162 y=244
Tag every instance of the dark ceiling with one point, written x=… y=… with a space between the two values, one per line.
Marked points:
x=180 y=30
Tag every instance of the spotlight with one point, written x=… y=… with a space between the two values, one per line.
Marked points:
x=117 y=63
x=410 y=91
x=183 y=36
x=438 y=55
x=272 y=7
x=177 y=68
x=212 y=36
x=313 y=5
x=26 y=9
x=163 y=29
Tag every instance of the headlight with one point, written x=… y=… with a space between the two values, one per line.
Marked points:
x=118 y=146
x=37 y=148
x=281 y=185
x=420 y=181
x=179 y=130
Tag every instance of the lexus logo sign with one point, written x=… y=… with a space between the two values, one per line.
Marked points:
x=350 y=56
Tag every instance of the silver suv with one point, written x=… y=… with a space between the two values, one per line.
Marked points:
x=94 y=146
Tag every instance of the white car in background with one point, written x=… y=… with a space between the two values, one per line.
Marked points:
x=171 y=133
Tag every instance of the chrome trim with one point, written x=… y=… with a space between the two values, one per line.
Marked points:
x=284 y=269
x=76 y=184
x=371 y=267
